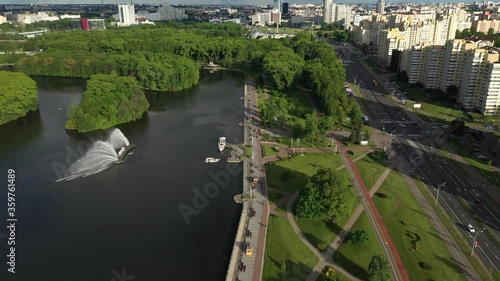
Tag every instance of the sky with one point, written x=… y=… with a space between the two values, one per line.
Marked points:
x=228 y=2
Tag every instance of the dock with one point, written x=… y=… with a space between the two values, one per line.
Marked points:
x=121 y=158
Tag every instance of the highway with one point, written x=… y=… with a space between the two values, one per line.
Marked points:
x=409 y=142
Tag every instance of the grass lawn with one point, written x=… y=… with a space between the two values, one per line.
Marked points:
x=299 y=169
x=483 y=168
x=274 y=196
x=441 y=111
x=371 y=168
x=322 y=233
x=411 y=230
x=283 y=246
x=248 y=151
x=348 y=255
x=269 y=150
x=449 y=224
x=333 y=275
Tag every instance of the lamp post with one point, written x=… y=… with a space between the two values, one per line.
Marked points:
x=390 y=137
x=437 y=194
x=474 y=243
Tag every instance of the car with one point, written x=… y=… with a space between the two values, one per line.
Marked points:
x=479 y=203
x=488 y=127
x=402 y=125
x=475 y=145
x=470 y=228
x=445 y=126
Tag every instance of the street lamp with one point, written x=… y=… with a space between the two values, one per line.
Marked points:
x=390 y=139
x=474 y=243
x=437 y=194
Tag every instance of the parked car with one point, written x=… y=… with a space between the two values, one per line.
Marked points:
x=479 y=203
x=445 y=126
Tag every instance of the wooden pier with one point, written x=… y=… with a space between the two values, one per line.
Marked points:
x=121 y=157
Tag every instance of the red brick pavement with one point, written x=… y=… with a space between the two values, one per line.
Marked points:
x=397 y=259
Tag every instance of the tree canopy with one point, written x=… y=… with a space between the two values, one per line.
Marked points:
x=109 y=100
x=326 y=196
x=18 y=95
x=379 y=269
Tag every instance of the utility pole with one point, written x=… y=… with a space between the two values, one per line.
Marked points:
x=437 y=194
x=474 y=242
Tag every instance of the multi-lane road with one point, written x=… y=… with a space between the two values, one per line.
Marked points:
x=410 y=142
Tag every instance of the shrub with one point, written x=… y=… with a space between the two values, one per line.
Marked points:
x=425 y=265
x=359 y=237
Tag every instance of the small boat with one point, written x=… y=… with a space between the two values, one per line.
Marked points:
x=222 y=143
x=211 y=160
x=130 y=153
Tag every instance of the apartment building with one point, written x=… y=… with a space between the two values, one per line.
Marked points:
x=485 y=25
x=489 y=99
x=471 y=65
x=339 y=13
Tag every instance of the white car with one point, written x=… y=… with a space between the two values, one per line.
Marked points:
x=445 y=126
x=470 y=228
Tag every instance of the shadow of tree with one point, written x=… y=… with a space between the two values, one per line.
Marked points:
x=350 y=266
x=293 y=182
x=449 y=263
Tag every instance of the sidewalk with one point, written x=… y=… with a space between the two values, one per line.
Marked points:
x=337 y=241
x=324 y=259
x=399 y=270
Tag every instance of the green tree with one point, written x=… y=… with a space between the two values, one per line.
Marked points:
x=18 y=96
x=326 y=196
x=109 y=100
x=359 y=237
x=379 y=269
x=312 y=125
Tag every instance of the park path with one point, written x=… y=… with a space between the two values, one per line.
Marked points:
x=323 y=257
x=339 y=239
x=385 y=240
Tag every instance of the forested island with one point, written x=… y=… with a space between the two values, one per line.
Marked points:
x=18 y=96
x=109 y=100
x=168 y=57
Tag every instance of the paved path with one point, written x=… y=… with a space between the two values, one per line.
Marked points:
x=338 y=240
x=399 y=270
x=255 y=212
x=324 y=258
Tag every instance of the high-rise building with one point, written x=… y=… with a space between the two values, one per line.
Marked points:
x=471 y=65
x=380 y=7
x=285 y=8
x=126 y=14
x=328 y=13
x=277 y=5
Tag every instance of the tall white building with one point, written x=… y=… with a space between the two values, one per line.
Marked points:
x=472 y=66
x=380 y=7
x=328 y=13
x=126 y=13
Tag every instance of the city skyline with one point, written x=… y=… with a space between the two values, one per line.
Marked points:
x=226 y=2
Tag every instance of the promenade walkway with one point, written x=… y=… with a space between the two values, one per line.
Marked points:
x=253 y=223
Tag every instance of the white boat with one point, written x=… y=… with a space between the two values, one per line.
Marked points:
x=222 y=143
x=211 y=160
